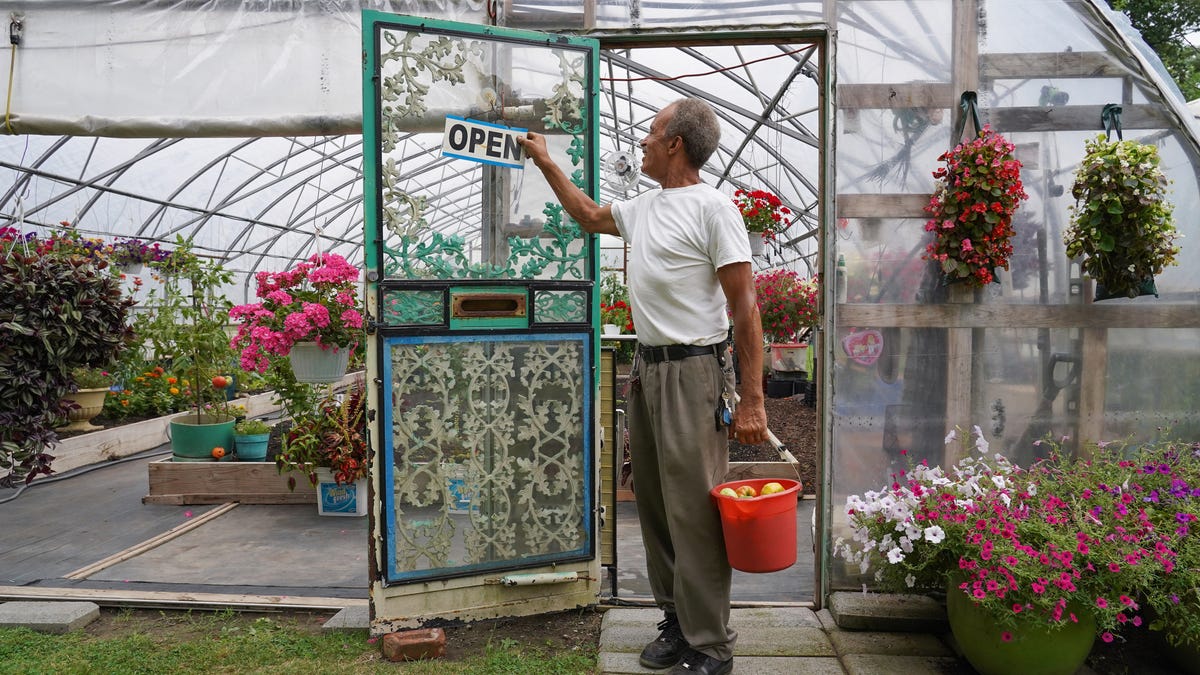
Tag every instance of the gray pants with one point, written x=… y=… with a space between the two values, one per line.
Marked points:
x=678 y=455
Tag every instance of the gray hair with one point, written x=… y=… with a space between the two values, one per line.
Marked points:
x=695 y=122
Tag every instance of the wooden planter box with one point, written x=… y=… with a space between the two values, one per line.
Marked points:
x=738 y=471
x=220 y=482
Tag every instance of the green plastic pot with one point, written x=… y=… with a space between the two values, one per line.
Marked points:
x=252 y=447
x=1033 y=649
x=193 y=441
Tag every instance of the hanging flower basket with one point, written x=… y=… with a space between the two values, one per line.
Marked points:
x=972 y=209
x=763 y=213
x=313 y=364
x=1121 y=223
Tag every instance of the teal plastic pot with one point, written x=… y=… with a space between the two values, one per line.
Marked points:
x=1032 y=649
x=252 y=447
x=193 y=441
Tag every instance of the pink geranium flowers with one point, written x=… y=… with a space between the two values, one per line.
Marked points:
x=316 y=301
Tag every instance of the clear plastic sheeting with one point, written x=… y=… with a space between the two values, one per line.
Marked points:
x=252 y=109
x=148 y=68
x=912 y=358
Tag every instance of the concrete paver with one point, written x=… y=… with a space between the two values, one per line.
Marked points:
x=48 y=617
x=792 y=640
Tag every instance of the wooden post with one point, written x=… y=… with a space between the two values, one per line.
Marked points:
x=1093 y=373
x=959 y=369
x=959 y=340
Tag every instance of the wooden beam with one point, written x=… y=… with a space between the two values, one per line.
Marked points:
x=132 y=598
x=882 y=206
x=909 y=95
x=1157 y=315
x=1050 y=65
x=1074 y=118
x=152 y=542
x=1093 y=377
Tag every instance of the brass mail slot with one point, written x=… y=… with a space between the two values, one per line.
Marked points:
x=487 y=305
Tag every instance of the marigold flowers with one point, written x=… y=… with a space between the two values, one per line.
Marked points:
x=972 y=208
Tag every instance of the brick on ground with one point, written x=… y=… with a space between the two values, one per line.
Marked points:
x=414 y=645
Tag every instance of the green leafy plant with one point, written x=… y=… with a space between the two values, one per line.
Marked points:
x=59 y=309
x=334 y=436
x=972 y=208
x=251 y=428
x=1121 y=224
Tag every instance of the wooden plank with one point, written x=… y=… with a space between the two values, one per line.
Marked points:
x=897 y=95
x=1141 y=315
x=756 y=470
x=882 y=205
x=1050 y=65
x=608 y=490
x=152 y=542
x=1074 y=118
x=219 y=482
x=132 y=598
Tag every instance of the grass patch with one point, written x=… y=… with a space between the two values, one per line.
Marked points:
x=226 y=642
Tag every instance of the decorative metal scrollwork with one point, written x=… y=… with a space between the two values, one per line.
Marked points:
x=487 y=442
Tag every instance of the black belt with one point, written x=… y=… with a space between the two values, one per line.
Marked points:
x=677 y=352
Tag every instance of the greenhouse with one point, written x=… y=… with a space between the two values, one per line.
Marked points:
x=225 y=158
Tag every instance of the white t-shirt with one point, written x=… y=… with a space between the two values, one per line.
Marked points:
x=678 y=238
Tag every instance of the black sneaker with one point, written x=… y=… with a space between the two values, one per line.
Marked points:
x=667 y=648
x=699 y=663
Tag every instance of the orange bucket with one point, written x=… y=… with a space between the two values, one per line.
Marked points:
x=760 y=532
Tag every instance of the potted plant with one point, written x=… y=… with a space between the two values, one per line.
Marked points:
x=87 y=401
x=764 y=214
x=197 y=349
x=309 y=314
x=1035 y=562
x=251 y=438
x=1121 y=224
x=330 y=446
x=132 y=253
x=972 y=208
x=789 y=309
x=86 y=326
x=616 y=318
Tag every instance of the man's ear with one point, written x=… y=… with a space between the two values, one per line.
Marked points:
x=675 y=145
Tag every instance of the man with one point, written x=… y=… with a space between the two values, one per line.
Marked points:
x=689 y=257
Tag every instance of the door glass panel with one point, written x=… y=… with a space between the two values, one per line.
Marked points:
x=444 y=217
x=487 y=455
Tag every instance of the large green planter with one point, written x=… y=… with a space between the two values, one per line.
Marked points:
x=252 y=447
x=194 y=442
x=1032 y=650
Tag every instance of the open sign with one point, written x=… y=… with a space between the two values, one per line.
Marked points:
x=483 y=142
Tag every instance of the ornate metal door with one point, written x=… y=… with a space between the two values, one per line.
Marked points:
x=483 y=308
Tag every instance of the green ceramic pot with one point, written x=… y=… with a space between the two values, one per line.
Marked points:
x=1032 y=650
x=193 y=441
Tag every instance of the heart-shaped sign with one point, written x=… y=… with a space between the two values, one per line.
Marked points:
x=863 y=346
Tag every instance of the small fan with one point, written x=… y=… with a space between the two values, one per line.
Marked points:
x=621 y=170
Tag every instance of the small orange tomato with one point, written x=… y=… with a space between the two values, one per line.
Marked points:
x=220 y=382
x=218 y=452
